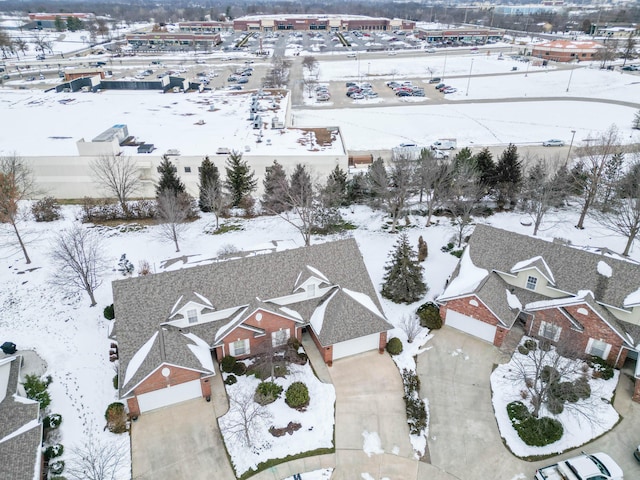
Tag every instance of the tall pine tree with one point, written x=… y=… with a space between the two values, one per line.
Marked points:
x=209 y=186
x=486 y=168
x=508 y=177
x=403 y=274
x=300 y=186
x=169 y=179
x=240 y=179
x=276 y=185
x=334 y=193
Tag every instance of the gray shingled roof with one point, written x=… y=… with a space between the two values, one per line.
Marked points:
x=573 y=269
x=143 y=303
x=19 y=454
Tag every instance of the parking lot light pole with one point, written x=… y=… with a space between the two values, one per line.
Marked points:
x=444 y=67
x=570 y=77
x=469 y=81
x=573 y=134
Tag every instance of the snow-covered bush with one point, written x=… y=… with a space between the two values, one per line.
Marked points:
x=36 y=389
x=297 y=395
x=53 y=451
x=46 y=210
x=429 y=314
x=125 y=267
x=267 y=392
x=116 y=418
x=52 y=421
x=227 y=364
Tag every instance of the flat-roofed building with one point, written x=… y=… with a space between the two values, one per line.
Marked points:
x=269 y=23
x=173 y=41
x=566 y=50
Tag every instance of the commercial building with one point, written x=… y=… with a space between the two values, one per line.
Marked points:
x=334 y=23
x=465 y=35
x=566 y=50
x=173 y=41
x=204 y=27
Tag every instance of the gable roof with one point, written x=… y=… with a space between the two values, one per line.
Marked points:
x=143 y=303
x=21 y=433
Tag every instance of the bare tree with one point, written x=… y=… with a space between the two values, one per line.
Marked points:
x=245 y=417
x=410 y=325
x=310 y=65
x=173 y=211
x=462 y=199
x=629 y=48
x=78 y=258
x=16 y=184
x=393 y=187
x=97 y=460
x=624 y=215
x=432 y=177
x=594 y=158
x=214 y=199
x=309 y=84
x=540 y=192
x=41 y=42
x=118 y=175
x=551 y=377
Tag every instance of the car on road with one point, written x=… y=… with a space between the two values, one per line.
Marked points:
x=30 y=79
x=554 y=142
x=430 y=50
x=435 y=80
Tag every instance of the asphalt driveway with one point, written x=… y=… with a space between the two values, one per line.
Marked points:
x=180 y=442
x=463 y=437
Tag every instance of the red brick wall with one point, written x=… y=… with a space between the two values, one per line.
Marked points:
x=205 y=385
x=156 y=380
x=270 y=322
x=574 y=340
x=326 y=352
x=383 y=342
x=133 y=407
x=462 y=305
x=636 y=391
x=501 y=333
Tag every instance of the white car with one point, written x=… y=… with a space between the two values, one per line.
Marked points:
x=553 y=143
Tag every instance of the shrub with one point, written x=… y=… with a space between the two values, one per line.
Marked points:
x=53 y=451
x=230 y=380
x=415 y=407
x=601 y=368
x=115 y=381
x=109 y=312
x=102 y=209
x=116 y=418
x=228 y=363
x=46 y=210
x=56 y=467
x=582 y=388
x=549 y=374
x=239 y=369
x=423 y=250
x=267 y=392
x=52 y=421
x=533 y=431
x=523 y=350
x=36 y=389
x=530 y=344
x=297 y=395
x=545 y=345
x=394 y=346
x=429 y=314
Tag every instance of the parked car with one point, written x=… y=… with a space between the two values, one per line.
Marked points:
x=435 y=80
x=449 y=90
x=357 y=96
x=232 y=78
x=418 y=93
x=243 y=80
x=554 y=142
x=439 y=86
x=351 y=84
x=403 y=93
x=323 y=97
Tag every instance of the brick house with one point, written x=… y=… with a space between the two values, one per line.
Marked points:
x=584 y=300
x=170 y=326
x=21 y=435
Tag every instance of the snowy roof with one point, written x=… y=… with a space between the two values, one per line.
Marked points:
x=21 y=429
x=536 y=262
x=468 y=279
x=143 y=304
x=192 y=123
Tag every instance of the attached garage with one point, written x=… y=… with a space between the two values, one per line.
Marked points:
x=356 y=345
x=169 y=395
x=471 y=326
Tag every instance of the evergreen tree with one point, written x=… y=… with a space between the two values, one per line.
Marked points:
x=59 y=24
x=508 y=177
x=209 y=186
x=463 y=158
x=403 y=274
x=169 y=179
x=300 y=186
x=276 y=185
x=357 y=188
x=636 y=121
x=486 y=168
x=240 y=179
x=335 y=191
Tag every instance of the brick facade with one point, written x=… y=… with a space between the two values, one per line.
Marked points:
x=269 y=321
x=480 y=312
x=383 y=342
x=636 y=391
x=326 y=352
x=574 y=339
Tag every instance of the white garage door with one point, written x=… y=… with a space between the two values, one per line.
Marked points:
x=169 y=396
x=471 y=326
x=357 y=345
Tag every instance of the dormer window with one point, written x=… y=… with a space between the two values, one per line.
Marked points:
x=531 y=282
x=192 y=315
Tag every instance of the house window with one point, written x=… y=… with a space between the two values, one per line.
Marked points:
x=598 y=348
x=192 y=315
x=280 y=337
x=531 y=282
x=187 y=169
x=550 y=331
x=241 y=347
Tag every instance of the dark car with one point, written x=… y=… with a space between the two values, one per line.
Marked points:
x=403 y=93
x=439 y=86
x=435 y=80
x=243 y=80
